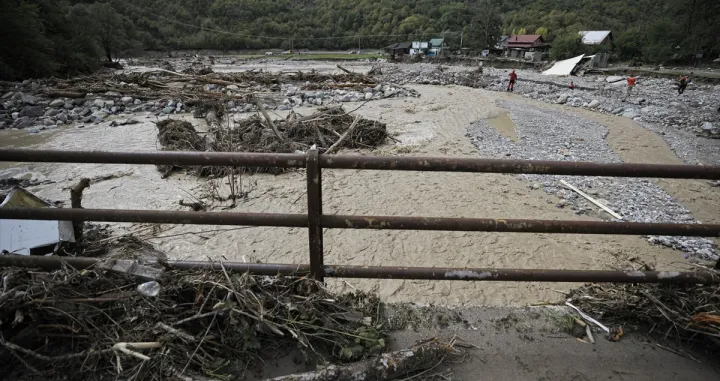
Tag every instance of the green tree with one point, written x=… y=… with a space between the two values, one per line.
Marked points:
x=566 y=45
x=25 y=51
x=543 y=31
x=486 y=26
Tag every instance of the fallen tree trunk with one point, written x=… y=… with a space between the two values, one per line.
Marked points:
x=65 y=94
x=269 y=120
x=76 y=194
x=343 y=69
x=388 y=366
x=344 y=136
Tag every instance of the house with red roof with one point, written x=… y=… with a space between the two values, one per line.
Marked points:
x=517 y=45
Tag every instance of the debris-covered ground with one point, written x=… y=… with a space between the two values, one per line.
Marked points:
x=683 y=312
x=56 y=323
x=143 y=101
x=209 y=323
x=38 y=105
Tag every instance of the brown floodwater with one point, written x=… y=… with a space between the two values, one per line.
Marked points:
x=504 y=125
x=21 y=139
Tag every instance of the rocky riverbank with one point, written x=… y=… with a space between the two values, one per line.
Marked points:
x=653 y=101
x=552 y=135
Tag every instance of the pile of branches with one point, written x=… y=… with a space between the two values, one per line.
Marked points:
x=329 y=129
x=96 y=324
x=146 y=85
x=673 y=310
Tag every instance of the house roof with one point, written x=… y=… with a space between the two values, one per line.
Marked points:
x=403 y=45
x=436 y=41
x=524 y=41
x=594 y=37
x=524 y=38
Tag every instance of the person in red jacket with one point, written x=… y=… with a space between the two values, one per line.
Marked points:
x=684 y=80
x=513 y=78
x=631 y=80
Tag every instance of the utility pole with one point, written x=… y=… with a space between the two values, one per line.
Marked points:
x=462 y=33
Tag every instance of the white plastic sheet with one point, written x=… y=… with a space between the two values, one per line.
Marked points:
x=564 y=67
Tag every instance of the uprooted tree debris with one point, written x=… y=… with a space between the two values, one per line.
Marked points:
x=689 y=312
x=213 y=323
x=162 y=83
x=328 y=129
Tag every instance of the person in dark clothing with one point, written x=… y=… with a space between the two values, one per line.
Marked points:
x=572 y=85
x=683 y=84
x=513 y=78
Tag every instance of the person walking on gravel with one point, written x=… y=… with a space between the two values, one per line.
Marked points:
x=630 y=85
x=684 y=80
x=513 y=78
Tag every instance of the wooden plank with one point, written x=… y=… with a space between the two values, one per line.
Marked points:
x=594 y=201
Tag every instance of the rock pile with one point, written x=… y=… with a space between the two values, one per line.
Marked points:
x=21 y=109
x=296 y=96
x=428 y=74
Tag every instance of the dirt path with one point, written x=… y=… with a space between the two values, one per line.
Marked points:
x=434 y=124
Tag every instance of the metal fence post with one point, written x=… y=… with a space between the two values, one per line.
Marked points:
x=314 y=200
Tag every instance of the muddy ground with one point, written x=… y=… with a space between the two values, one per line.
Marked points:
x=533 y=343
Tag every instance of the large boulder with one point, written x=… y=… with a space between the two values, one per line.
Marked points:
x=24 y=98
x=709 y=129
x=630 y=113
x=57 y=103
x=32 y=111
x=22 y=122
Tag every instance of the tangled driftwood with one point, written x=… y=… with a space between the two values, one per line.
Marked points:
x=682 y=311
x=94 y=323
x=328 y=129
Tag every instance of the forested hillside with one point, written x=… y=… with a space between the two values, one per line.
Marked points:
x=51 y=37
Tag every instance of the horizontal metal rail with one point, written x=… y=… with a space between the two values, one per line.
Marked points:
x=157 y=216
x=315 y=220
x=234 y=159
x=518 y=225
x=365 y=222
x=568 y=168
x=399 y=163
x=388 y=272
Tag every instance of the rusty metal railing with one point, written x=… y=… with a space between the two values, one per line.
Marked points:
x=316 y=221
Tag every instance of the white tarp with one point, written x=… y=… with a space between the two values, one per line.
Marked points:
x=564 y=67
x=20 y=236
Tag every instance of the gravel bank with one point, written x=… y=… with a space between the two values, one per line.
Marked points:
x=689 y=123
x=552 y=135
